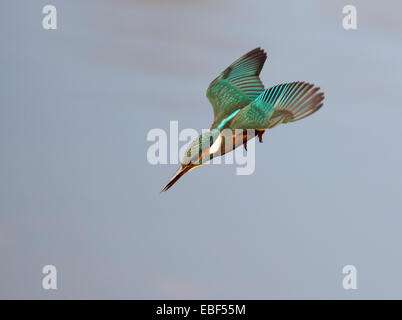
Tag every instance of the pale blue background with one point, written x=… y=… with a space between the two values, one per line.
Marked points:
x=76 y=189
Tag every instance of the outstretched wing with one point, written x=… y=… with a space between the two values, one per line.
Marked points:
x=280 y=104
x=237 y=86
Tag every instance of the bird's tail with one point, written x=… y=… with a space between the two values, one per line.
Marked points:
x=292 y=101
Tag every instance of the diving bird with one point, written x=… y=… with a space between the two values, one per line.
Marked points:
x=240 y=103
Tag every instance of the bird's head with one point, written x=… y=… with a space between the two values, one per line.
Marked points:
x=202 y=150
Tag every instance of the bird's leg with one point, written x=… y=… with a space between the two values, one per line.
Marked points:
x=245 y=141
x=259 y=134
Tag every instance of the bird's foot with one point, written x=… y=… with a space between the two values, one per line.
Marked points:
x=259 y=134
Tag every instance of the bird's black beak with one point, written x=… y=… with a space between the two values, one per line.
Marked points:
x=179 y=173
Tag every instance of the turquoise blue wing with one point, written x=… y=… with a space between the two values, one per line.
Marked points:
x=237 y=86
x=280 y=104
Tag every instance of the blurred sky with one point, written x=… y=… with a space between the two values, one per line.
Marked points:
x=76 y=190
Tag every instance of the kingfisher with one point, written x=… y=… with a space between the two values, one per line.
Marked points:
x=243 y=109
